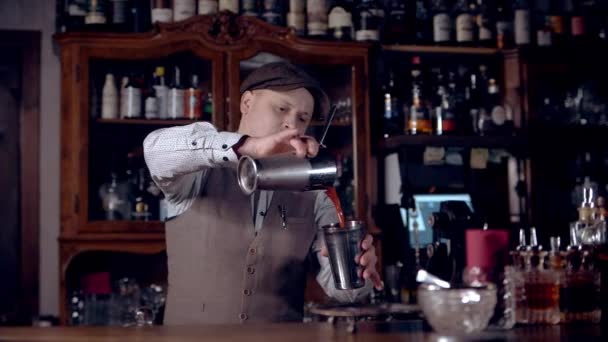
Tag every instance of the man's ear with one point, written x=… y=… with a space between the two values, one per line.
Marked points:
x=246 y=101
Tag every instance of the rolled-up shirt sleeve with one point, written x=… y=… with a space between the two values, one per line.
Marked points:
x=325 y=213
x=176 y=155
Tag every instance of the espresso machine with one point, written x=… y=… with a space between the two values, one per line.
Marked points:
x=447 y=254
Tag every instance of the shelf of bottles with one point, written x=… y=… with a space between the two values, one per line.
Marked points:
x=128 y=100
x=463 y=25
x=116 y=289
x=336 y=81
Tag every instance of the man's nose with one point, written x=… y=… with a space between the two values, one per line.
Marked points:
x=289 y=122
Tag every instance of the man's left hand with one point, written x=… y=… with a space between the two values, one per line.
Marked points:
x=367 y=260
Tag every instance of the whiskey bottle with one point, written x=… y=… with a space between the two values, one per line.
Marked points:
x=486 y=23
x=340 y=20
x=368 y=19
x=119 y=11
x=162 y=92
x=419 y=120
x=194 y=100
x=442 y=23
x=130 y=99
x=399 y=22
x=162 y=11
x=250 y=8
x=316 y=24
x=96 y=12
x=273 y=12
x=150 y=100
x=183 y=9
x=229 y=5
x=464 y=17
x=423 y=23
x=141 y=200
x=393 y=108
x=504 y=25
x=296 y=17
x=175 y=102
x=522 y=35
x=207 y=7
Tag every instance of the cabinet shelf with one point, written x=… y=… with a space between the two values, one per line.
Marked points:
x=442 y=49
x=396 y=142
x=127 y=226
x=151 y=122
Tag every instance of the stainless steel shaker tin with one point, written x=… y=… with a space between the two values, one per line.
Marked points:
x=286 y=172
x=343 y=244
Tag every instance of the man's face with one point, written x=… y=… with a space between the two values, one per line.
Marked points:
x=265 y=112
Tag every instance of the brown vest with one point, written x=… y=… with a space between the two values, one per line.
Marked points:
x=221 y=271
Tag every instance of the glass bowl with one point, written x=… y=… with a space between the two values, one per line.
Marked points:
x=457 y=311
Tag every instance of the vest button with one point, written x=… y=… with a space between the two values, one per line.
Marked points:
x=243 y=316
x=252 y=251
x=247 y=292
x=251 y=270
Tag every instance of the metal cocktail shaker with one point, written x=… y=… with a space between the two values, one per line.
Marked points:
x=343 y=244
x=286 y=172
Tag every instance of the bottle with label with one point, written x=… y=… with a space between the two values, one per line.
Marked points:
x=109 y=102
x=131 y=99
x=273 y=12
x=113 y=199
x=578 y=25
x=442 y=23
x=423 y=23
x=250 y=8
x=522 y=22
x=207 y=7
x=183 y=9
x=296 y=17
x=317 y=20
x=544 y=32
x=141 y=200
x=504 y=25
x=368 y=20
x=175 y=102
x=162 y=11
x=119 y=11
x=162 y=92
x=150 y=101
x=96 y=12
x=393 y=108
x=419 y=120
x=340 y=21
x=445 y=112
x=498 y=119
x=486 y=23
x=193 y=100
x=464 y=17
x=71 y=15
x=557 y=22
x=399 y=22
x=229 y=5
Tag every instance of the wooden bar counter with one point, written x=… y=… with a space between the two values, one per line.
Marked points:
x=308 y=332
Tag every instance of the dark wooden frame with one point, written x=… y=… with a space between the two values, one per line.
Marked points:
x=28 y=42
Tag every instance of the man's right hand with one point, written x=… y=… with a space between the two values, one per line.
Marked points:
x=281 y=142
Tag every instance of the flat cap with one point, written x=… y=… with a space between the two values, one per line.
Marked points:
x=285 y=76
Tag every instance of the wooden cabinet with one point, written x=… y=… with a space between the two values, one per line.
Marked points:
x=222 y=49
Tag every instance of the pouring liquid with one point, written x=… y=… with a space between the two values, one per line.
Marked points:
x=333 y=196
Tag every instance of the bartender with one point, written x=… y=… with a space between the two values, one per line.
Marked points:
x=230 y=259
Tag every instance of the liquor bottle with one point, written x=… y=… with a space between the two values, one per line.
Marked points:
x=193 y=100
x=544 y=32
x=70 y=15
x=208 y=107
x=162 y=92
x=522 y=22
x=445 y=112
x=207 y=7
x=162 y=11
x=96 y=12
x=423 y=23
x=316 y=18
x=419 y=120
x=557 y=22
x=113 y=200
x=442 y=23
x=140 y=19
x=119 y=11
x=150 y=100
x=183 y=9
x=140 y=203
x=393 y=108
x=250 y=8
x=504 y=25
x=109 y=102
x=486 y=24
x=296 y=17
x=465 y=22
x=368 y=20
x=229 y=5
x=273 y=12
x=340 y=20
x=130 y=99
x=497 y=120
x=175 y=102
x=578 y=19
x=399 y=23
